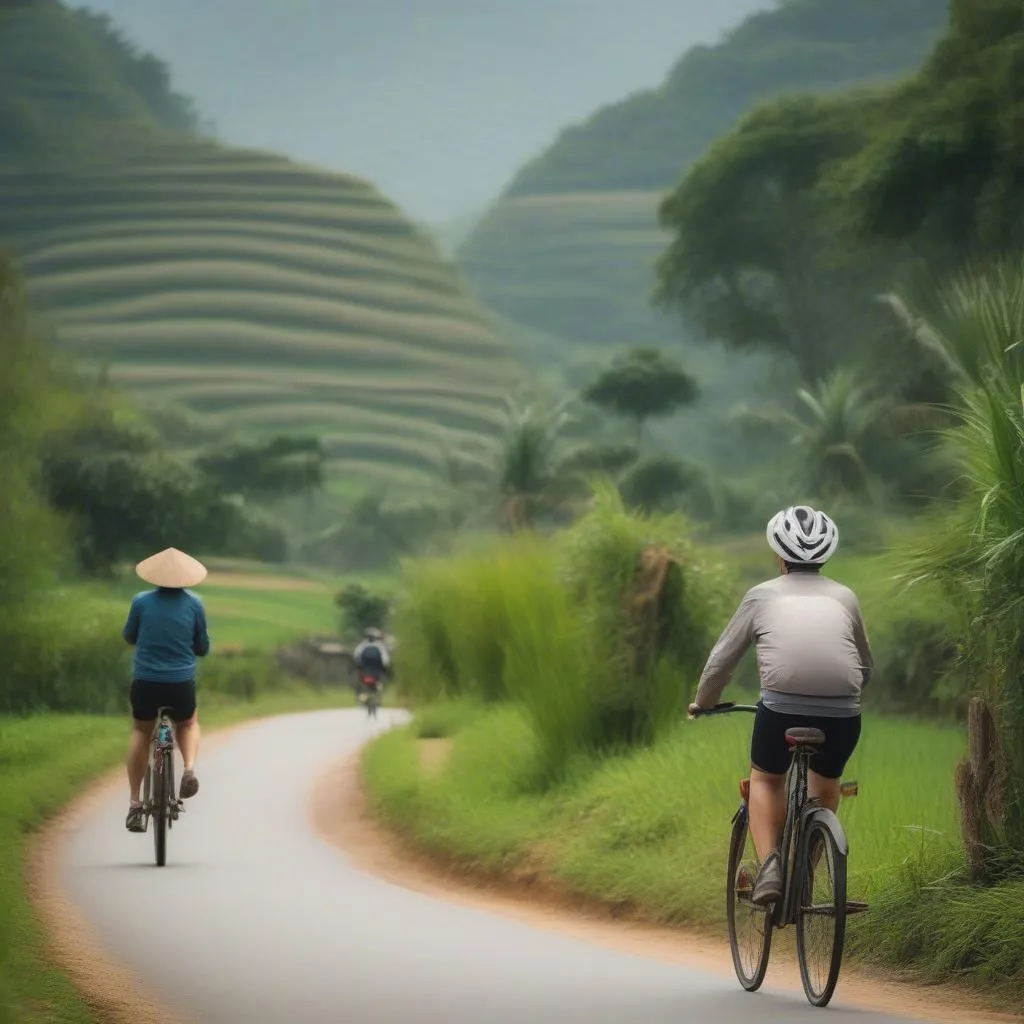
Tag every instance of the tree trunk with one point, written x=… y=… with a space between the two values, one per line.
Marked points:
x=981 y=790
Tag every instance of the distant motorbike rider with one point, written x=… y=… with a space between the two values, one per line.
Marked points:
x=372 y=659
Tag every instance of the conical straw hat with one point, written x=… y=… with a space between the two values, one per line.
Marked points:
x=171 y=568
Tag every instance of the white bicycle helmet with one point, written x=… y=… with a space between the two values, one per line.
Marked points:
x=803 y=536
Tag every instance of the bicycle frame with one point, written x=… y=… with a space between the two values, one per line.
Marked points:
x=798 y=810
x=161 y=742
x=791 y=848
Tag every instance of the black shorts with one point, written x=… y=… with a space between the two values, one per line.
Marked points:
x=770 y=752
x=148 y=698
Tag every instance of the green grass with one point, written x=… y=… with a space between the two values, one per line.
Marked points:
x=260 y=614
x=649 y=830
x=44 y=762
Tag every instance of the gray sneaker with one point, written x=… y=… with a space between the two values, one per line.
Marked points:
x=768 y=885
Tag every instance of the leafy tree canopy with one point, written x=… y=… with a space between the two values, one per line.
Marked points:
x=279 y=468
x=946 y=149
x=788 y=229
x=643 y=384
x=753 y=261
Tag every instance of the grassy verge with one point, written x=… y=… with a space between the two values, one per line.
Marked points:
x=45 y=761
x=648 y=830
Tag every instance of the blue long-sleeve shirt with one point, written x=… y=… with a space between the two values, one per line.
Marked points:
x=168 y=631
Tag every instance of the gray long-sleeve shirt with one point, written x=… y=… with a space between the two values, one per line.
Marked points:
x=813 y=655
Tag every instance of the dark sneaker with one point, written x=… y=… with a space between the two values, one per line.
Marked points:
x=768 y=886
x=136 y=820
x=189 y=785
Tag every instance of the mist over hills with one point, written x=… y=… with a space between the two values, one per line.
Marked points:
x=439 y=102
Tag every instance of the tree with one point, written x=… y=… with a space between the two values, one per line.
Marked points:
x=280 y=468
x=31 y=392
x=942 y=167
x=976 y=553
x=527 y=463
x=361 y=609
x=643 y=384
x=125 y=495
x=656 y=482
x=834 y=432
x=753 y=261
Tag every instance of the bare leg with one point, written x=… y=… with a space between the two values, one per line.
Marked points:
x=187 y=734
x=767 y=810
x=826 y=790
x=138 y=758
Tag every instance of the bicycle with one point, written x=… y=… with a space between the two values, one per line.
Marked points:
x=812 y=833
x=369 y=694
x=159 y=800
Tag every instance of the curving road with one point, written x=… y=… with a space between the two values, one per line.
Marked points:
x=257 y=920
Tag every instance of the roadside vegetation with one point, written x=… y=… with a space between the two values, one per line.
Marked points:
x=895 y=404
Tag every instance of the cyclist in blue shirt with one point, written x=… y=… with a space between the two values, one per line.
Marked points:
x=167 y=628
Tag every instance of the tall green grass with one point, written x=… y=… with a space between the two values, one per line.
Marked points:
x=562 y=627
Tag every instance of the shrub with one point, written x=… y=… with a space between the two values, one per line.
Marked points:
x=240 y=676
x=63 y=654
x=361 y=609
x=598 y=632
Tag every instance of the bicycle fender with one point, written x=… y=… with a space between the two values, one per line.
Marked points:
x=829 y=821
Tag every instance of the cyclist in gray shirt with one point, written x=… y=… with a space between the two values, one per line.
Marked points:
x=813 y=659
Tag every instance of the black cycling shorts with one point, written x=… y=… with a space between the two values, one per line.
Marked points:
x=148 y=698
x=770 y=752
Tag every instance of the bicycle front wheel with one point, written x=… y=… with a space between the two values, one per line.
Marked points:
x=750 y=926
x=821 y=913
x=161 y=808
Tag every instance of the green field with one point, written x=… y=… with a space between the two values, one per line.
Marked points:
x=265 y=295
x=648 y=832
x=247 y=605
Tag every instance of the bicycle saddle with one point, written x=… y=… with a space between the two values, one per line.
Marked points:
x=813 y=737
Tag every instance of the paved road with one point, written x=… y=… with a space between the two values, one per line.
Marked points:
x=257 y=920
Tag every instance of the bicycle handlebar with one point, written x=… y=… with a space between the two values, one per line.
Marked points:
x=723 y=709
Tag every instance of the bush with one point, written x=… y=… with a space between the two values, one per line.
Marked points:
x=239 y=676
x=598 y=632
x=63 y=654
x=360 y=609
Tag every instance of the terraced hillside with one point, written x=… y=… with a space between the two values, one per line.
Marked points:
x=568 y=249
x=265 y=295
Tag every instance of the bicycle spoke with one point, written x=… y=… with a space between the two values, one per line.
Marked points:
x=749 y=925
x=821 y=921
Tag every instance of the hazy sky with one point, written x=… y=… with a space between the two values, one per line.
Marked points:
x=437 y=101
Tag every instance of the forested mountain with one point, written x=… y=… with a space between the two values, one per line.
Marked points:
x=568 y=251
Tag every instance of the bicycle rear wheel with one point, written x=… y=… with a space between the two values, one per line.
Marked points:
x=750 y=926
x=821 y=913
x=161 y=806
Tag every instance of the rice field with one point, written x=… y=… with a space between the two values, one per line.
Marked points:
x=264 y=296
x=249 y=606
